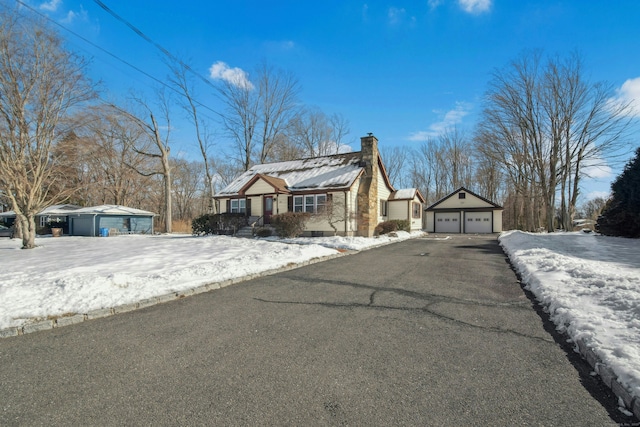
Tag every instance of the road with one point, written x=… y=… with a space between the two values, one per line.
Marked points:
x=422 y=332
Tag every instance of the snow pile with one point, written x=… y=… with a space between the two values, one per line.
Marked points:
x=79 y=274
x=354 y=243
x=590 y=285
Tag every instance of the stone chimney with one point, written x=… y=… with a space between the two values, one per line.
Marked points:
x=368 y=190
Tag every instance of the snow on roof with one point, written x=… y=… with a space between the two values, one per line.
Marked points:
x=59 y=210
x=51 y=210
x=404 y=194
x=111 y=210
x=317 y=173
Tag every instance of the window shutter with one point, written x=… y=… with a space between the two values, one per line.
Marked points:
x=248 y=206
x=228 y=205
x=290 y=204
x=329 y=197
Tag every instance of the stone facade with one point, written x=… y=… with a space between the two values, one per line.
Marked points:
x=368 y=191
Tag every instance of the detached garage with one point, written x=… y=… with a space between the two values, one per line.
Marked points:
x=464 y=212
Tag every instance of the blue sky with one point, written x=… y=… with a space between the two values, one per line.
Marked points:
x=403 y=70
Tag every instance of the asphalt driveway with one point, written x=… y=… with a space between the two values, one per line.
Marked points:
x=422 y=332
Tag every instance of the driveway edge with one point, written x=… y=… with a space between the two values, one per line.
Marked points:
x=62 y=321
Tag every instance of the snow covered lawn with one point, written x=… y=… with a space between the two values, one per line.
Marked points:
x=590 y=285
x=70 y=275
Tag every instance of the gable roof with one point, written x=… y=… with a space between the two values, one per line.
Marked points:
x=338 y=171
x=278 y=184
x=466 y=191
x=59 y=210
x=112 y=210
x=407 y=194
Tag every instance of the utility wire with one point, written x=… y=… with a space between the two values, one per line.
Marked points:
x=170 y=87
x=150 y=41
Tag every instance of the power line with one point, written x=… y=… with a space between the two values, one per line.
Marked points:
x=152 y=42
x=114 y=56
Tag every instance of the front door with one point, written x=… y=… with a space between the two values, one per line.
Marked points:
x=267 y=209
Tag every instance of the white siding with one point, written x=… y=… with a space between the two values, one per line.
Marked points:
x=497 y=221
x=383 y=194
x=469 y=201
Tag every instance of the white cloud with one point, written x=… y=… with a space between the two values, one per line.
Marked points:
x=596 y=169
x=50 y=6
x=73 y=16
x=396 y=15
x=449 y=120
x=629 y=92
x=236 y=76
x=598 y=194
x=475 y=6
x=434 y=3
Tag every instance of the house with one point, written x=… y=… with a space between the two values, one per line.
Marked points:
x=109 y=220
x=77 y=221
x=346 y=194
x=55 y=215
x=463 y=212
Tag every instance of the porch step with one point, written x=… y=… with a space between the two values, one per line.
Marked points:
x=246 y=231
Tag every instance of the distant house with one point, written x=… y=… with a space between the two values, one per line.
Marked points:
x=77 y=221
x=56 y=215
x=347 y=194
x=111 y=219
x=463 y=212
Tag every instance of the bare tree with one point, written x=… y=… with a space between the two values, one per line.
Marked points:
x=278 y=98
x=316 y=134
x=395 y=161
x=40 y=84
x=542 y=123
x=159 y=148
x=187 y=188
x=184 y=85
x=258 y=113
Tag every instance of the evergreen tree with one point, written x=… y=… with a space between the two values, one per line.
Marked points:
x=621 y=215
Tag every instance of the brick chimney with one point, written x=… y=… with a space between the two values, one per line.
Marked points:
x=368 y=190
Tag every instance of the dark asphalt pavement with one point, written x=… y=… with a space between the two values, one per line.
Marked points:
x=422 y=332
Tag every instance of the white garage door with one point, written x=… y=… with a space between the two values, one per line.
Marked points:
x=478 y=222
x=447 y=222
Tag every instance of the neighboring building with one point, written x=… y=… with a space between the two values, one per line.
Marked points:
x=77 y=221
x=347 y=194
x=464 y=212
x=109 y=220
x=56 y=215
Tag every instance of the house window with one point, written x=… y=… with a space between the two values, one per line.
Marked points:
x=321 y=203
x=462 y=195
x=383 y=208
x=312 y=203
x=416 y=210
x=238 y=205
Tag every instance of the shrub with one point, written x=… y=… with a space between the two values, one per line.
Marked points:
x=289 y=224
x=264 y=232
x=403 y=224
x=393 y=225
x=386 y=227
x=225 y=223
